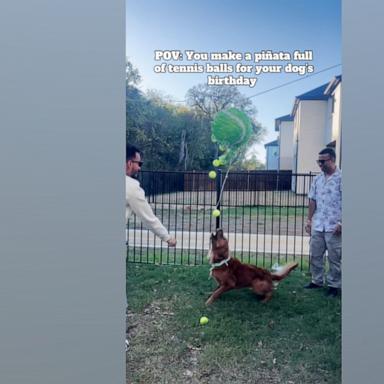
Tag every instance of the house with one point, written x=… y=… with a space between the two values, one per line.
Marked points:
x=272 y=155
x=284 y=125
x=316 y=124
x=333 y=122
x=309 y=122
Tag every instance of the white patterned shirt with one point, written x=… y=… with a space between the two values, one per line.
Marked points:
x=327 y=194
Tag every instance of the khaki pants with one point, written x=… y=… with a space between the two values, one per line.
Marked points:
x=319 y=243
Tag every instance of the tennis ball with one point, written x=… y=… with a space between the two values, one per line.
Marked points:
x=203 y=320
x=216 y=163
x=222 y=159
x=212 y=175
x=216 y=213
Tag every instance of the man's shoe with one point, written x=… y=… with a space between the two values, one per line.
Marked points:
x=332 y=292
x=312 y=286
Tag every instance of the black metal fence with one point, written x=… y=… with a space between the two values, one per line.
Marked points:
x=261 y=212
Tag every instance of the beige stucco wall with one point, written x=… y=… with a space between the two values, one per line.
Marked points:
x=311 y=134
x=336 y=122
x=328 y=123
x=286 y=145
x=333 y=121
x=296 y=135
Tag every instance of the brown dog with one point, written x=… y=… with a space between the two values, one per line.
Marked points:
x=230 y=273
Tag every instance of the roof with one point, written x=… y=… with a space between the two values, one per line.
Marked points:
x=273 y=143
x=282 y=118
x=313 y=94
x=332 y=85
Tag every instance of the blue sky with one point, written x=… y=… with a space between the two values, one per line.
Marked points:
x=240 y=26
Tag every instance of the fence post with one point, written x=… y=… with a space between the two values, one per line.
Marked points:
x=218 y=190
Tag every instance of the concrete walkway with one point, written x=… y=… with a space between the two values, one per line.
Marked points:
x=290 y=245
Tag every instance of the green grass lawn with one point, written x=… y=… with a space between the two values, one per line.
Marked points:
x=293 y=339
x=267 y=211
x=173 y=256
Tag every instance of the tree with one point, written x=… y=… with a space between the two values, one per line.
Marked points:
x=172 y=136
x=252 y=163
x=210 y=99
x=187 y=134
x=132 y=76
x=196 y=147
x=207 y=100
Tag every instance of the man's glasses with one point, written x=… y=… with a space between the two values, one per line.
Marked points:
x=138 y=162
x=322 y=161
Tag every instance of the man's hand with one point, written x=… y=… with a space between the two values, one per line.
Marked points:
x=172 y=242
x=308 y=226
x=337 y=230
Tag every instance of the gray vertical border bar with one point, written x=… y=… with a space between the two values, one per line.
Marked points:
x=62 y=144
x=363 y=212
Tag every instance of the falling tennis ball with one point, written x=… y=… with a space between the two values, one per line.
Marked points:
x=212 y=175
x=216 y=213
x=216 y=163
x=204 y=320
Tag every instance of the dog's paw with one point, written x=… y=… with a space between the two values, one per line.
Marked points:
x=209 y=301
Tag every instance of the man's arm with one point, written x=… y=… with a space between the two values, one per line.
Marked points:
x=311 y=211
x=139 y=205
x=338 y=228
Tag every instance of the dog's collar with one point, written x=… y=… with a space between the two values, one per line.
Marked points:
x=218 y=265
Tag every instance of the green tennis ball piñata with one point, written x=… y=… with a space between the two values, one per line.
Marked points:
x=231 y=127
x=230 y=155
x=223 y=159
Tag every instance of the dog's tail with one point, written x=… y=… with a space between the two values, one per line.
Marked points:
x=283 y=272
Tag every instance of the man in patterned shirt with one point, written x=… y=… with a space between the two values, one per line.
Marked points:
x=324 y=223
